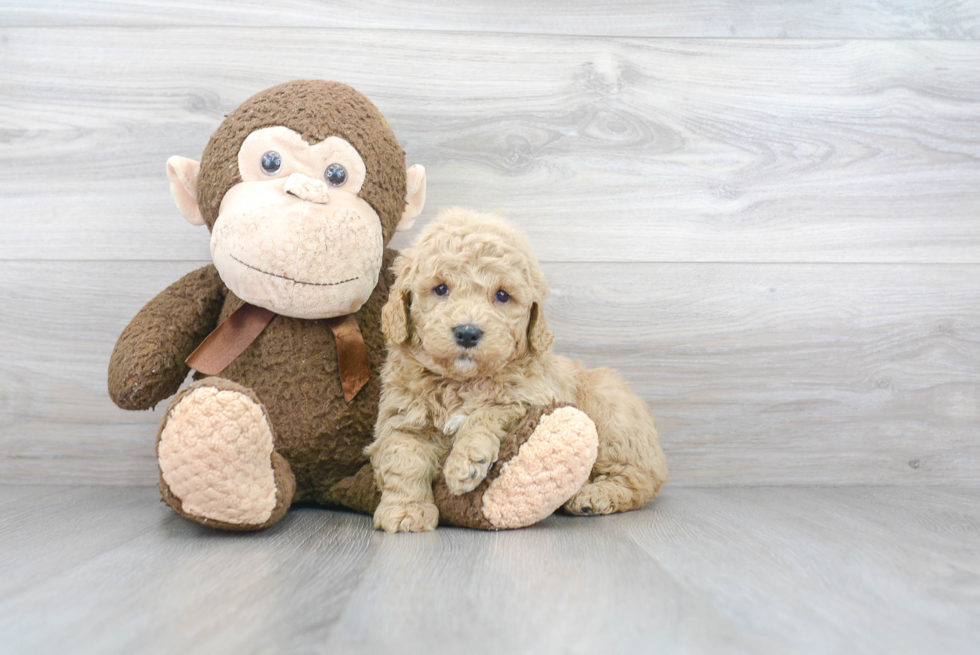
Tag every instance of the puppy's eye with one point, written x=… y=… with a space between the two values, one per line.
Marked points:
x=441 y=290
x=271 y=162
x=335 y=175
x=502 y=296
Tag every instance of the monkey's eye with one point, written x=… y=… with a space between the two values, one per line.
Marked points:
x=441 y=290
x=335 y=175
x=271 y=162
x=502 y=296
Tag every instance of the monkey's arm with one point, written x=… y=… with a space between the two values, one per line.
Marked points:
x=147 y=364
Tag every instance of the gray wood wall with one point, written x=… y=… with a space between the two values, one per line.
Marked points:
x=765 y=214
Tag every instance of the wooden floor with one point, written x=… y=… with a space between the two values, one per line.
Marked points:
x=802 y=570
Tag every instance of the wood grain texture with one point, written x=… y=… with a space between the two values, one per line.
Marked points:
x=772 y=232
x=935 y=19
x=758 y=374
x=653 y=150
x=808 y=570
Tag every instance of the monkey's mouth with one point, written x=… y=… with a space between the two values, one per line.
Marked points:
x=284 y=277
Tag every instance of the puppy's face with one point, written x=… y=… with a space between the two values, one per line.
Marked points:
x=469 y=295
x=470 y=318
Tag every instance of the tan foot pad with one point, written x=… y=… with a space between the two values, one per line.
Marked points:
x=215 y=454
x=550 y=466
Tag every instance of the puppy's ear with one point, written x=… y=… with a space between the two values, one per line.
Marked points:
x=539 y=337
x=394 y=315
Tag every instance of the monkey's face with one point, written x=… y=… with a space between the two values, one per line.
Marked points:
x=301 y=186
x=294 y=236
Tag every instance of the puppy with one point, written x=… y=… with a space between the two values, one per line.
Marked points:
x=469 y=352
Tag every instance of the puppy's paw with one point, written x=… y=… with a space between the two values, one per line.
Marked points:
x=593 y=498
x=466 y=468
x=394 y=516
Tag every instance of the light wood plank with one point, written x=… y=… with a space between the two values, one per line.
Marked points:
x=65 y=526
x=807 y=570
x=734 y=570
x=563 y=586
x=936 y=19
x=604 y=149
x=759 y=374
x=828 y=570
x=166 y=585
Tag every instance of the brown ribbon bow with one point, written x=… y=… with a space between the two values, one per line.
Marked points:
x=238 y=331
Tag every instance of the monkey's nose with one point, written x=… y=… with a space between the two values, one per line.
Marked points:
x=306 y=188
x=467 y=335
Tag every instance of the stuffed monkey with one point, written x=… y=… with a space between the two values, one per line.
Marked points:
x=301 y=188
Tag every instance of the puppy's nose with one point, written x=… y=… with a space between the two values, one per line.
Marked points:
x=467 y=335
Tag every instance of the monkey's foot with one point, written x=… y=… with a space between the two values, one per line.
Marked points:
x=217 y=462
x=541 y=465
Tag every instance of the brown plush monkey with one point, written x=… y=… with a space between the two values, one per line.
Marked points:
x=301 y=187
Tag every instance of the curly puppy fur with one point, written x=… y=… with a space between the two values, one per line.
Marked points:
x=445 y=404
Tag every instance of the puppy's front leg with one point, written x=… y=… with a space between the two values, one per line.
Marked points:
x=405 y=466
x=477 y=445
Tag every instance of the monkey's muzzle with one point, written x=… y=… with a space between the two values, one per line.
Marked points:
x=306 y=188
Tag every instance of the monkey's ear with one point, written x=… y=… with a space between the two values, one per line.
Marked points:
x=539 y=337
x=414 y=197
x=183 y=187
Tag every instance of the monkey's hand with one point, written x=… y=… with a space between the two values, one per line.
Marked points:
x=147 y=364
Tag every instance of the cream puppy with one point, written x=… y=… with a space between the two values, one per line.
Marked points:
x=469 y=352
